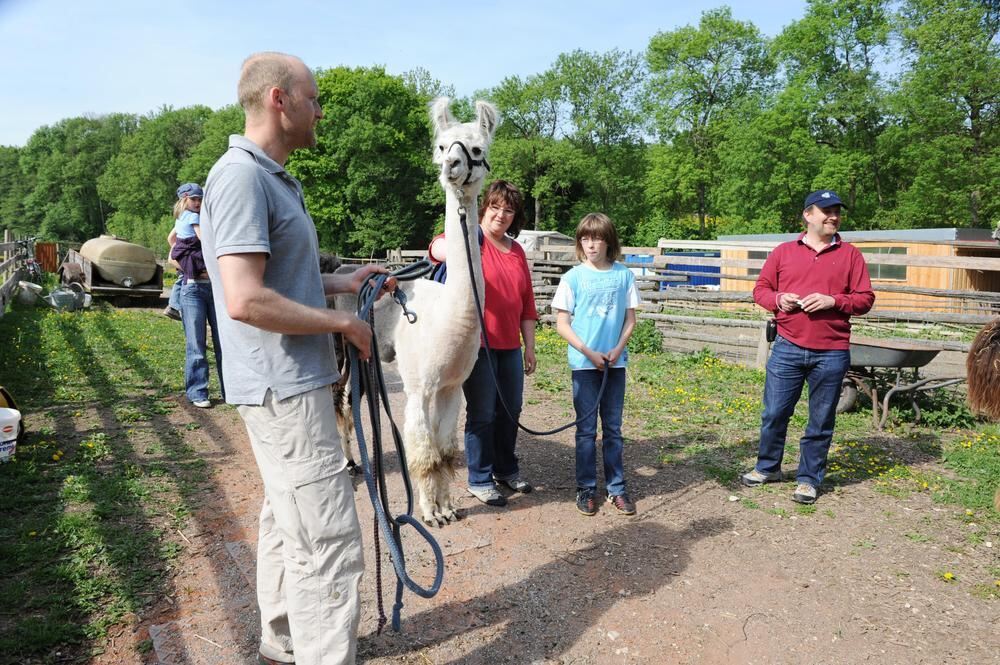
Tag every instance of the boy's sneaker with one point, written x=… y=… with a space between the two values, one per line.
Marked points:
x=172 y=313
x=622 y=503
x=804 y=493
x=585 y=502
x=755 y=477
x=202 y=403
x=517 y=485
x=491 y=496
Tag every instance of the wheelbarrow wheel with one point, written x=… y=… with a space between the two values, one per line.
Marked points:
x=848 y=396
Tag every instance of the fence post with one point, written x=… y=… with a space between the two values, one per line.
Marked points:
x=763 y=346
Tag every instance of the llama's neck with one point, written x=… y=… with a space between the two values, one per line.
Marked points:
x=455 y=246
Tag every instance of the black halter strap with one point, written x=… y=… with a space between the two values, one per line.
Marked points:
x=470 y=161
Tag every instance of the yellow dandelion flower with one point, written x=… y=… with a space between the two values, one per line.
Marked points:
x=948 y=577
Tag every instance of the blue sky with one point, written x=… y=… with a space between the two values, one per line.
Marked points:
x=65 y=58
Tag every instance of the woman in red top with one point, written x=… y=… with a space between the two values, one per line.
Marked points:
x=510 y=316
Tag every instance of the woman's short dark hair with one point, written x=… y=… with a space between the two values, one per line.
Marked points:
x=504 y=193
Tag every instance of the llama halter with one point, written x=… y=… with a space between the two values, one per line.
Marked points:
x=470 y=162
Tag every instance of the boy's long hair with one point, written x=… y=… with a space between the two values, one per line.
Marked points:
x=598 y=225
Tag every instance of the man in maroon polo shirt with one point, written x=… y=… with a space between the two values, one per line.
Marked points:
x=813 y=285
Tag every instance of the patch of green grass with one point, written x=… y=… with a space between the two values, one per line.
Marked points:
x=916 y=537
x=986 y=591
x=750 y=504
x=86 y=532
x=803 y=509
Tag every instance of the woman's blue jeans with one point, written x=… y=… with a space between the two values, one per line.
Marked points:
x=491 y=434
x=175 y=292
x=788 y=368
x=586 y=386
x=199 y=308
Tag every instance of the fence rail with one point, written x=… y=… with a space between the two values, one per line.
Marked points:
x=10 y=270
x=725 y=318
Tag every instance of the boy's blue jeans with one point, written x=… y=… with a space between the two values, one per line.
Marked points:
x=788 y=368
x=490 y=434
x=586 y=386
x=199 y=307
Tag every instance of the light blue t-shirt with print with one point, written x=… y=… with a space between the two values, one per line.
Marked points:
x=184 y=225
x=598 y=301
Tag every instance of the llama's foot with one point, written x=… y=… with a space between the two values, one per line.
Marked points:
x=436 y=515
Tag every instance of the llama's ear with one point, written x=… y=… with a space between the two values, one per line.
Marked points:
x=486 y=116
x=440 y=115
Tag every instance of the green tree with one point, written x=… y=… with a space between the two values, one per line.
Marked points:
x=699 y=76
x=214 y=142
x=833 y=57
x=949 y=100
x=527 y=150
x=769 y=160
x=59 y=166
x=367 y=180
x=15 y=189
x=141 y=179
x=603 y=96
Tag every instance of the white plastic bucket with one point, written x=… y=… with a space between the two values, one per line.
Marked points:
x=10 y=420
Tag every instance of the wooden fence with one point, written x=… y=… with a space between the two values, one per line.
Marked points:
x=11 y=262
x=724 y=318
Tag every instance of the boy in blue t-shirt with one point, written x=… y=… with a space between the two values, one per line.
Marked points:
x=596 y=302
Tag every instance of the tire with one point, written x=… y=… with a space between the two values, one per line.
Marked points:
x=848 y=396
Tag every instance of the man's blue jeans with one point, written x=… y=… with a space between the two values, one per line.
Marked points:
x=788 y=368
x=490 y=434
x=199 y=307
x=586 y=386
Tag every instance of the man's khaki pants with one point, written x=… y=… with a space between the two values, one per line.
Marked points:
x=309 y=556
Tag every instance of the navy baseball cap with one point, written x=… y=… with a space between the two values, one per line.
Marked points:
x=824 y=198
x=190 y=189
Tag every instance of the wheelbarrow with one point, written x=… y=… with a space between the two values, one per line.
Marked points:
x=903 y=360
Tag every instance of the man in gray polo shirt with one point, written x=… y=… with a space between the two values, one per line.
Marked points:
x=262 y=254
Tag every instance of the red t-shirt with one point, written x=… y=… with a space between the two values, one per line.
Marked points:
x=509 y=297
x=839 y=270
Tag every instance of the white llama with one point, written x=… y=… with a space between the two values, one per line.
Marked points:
x=437 y=352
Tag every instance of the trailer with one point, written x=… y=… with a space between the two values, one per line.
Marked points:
x=76 y=268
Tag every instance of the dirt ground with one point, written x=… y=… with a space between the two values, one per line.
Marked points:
x=695 y=577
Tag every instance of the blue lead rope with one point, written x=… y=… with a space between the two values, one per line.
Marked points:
x=389 y=526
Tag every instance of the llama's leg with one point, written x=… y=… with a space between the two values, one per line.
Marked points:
x=421 y=458
x=446 y=433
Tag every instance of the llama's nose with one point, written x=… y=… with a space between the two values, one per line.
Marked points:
x=454 y=164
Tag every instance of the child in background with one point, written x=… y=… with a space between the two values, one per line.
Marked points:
x=595 y=303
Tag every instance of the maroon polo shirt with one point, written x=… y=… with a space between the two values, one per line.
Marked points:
x=839 y=270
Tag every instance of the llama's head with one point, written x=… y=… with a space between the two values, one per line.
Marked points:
x=460 y=147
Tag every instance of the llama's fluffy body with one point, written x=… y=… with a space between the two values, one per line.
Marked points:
x=436 y=353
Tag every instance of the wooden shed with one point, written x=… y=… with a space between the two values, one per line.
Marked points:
x=904 y=261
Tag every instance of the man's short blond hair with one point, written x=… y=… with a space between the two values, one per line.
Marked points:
x=261 y=72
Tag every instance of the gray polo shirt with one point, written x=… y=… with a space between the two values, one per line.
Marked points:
x=252 y=205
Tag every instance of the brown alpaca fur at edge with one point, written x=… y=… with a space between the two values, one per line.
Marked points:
x=982 y=368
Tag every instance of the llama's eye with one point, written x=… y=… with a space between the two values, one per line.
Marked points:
x=441 y=148
x=477 y=151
